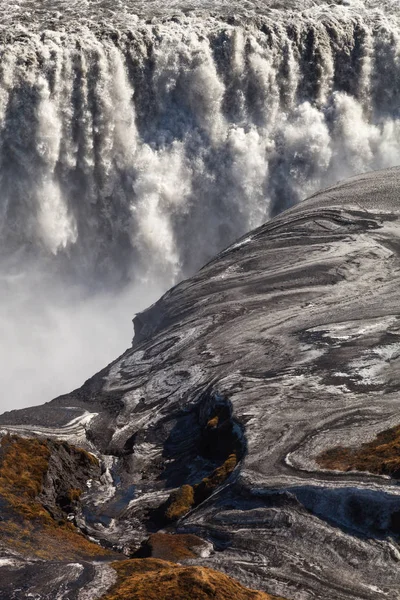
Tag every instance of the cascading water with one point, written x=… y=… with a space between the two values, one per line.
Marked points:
x=134 y=146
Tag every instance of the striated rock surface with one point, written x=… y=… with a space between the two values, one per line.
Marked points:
x=238 y=380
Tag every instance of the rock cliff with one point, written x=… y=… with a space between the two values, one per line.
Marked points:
x=247 y=411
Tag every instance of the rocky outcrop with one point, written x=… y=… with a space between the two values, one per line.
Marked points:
x=151 y=579
x=41 y=482
x=282 y=348
x=68 y=472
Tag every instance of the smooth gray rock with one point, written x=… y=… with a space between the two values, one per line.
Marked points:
x=296 y=330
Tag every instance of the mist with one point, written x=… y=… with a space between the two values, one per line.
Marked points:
x=132 y=152
x=53 y=337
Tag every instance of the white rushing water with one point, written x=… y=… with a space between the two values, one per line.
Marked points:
x=133 y=147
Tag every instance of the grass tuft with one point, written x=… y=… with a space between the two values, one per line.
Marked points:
x=381 y=455
x=181 y=501
x=173 y=547
x=187 y=496
x=152 y=579
x=213 y=423
x=28 y=528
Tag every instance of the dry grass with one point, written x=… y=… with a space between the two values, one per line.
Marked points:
x=221 y=473
x=74 y=494
x=87 y=456
x=187 y=496
x=48 y=541
x=29 y=529
x=173 y=548
x=212 y=423
x=23 y=466
x=152 y=579
x=206 y=487
x=181 y=501
x=381 y=456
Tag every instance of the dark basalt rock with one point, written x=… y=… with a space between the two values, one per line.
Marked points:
x=67 y=475
x=285 y=345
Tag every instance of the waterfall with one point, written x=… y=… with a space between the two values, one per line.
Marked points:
x=134 y=147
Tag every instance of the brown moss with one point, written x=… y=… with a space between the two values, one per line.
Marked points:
x=223 y=472
x=48 y=541
x=217 y=477
x=181 y=502
x=187 y=496
x=213 y=423
x=173 y=547
x=91 y=458
x=74 y=494
x=28 y=528
x=85 y=456
x=23 y=466
x=381 y=455
x=151 y=579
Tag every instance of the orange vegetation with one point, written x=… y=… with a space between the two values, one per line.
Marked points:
x=28 y=528
x=181 y=501
x=217 y=477
x=187 y=496
x=381 y=456
x=152 y=579
x=85 y=455
x=74 y=494
x=212 y=423
x=174 y=548
x=23 y=465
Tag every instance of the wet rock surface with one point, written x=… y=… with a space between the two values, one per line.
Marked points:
x=284 y=346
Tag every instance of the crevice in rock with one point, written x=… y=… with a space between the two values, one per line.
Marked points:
x=202 y=451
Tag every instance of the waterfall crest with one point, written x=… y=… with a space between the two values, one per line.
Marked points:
x=134 y=147
x=147 y=150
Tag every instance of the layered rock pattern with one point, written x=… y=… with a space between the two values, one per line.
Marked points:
x=285 y=346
